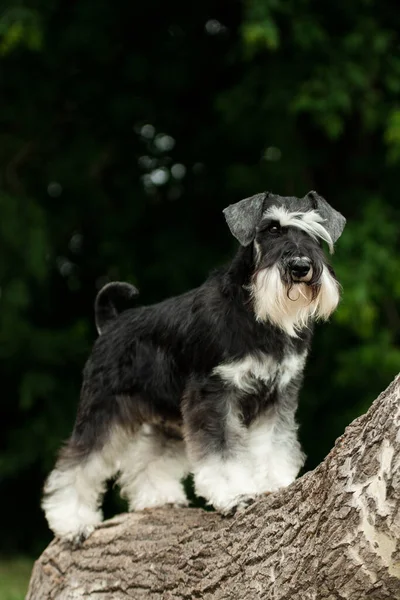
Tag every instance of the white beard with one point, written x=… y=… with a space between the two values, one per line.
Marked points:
x=292 y=312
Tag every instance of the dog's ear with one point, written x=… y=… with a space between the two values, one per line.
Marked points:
x=334 y=221
x=244 y=216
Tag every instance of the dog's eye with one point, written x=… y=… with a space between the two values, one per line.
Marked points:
x=274 y=228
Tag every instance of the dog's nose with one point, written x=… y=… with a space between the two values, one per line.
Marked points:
x=299 y=267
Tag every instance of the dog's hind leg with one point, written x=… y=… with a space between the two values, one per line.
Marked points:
x=152 y=468
x=74 y=489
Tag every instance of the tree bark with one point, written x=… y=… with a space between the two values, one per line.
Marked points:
x=333 y=534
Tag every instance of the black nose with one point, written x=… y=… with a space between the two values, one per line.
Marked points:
x=299 y=266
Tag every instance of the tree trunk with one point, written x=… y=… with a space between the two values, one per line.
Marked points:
x=333 y=534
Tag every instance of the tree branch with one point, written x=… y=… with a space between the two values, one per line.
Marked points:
x=333 y=534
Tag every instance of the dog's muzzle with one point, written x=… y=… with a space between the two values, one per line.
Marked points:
x=300 y=268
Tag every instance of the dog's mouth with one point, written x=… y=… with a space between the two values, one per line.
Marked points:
x=293 y=275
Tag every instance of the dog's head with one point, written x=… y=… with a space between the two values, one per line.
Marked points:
x=292 y=281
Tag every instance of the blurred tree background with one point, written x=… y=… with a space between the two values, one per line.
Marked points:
x=126 y=128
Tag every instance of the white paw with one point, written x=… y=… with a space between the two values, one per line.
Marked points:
x=152 y=497
x=227 y=485
x=78 y=537
x=236 y=505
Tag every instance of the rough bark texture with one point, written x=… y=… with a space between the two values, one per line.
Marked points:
x=333 y=534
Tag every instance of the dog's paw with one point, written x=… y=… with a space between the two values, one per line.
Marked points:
x=76 y=538
x=180 y=504
x=150 y=501
x=177 y=504
x=238 y=505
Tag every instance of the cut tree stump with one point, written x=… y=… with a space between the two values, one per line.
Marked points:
x=332 y=534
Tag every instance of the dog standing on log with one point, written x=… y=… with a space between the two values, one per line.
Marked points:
x=204 y=383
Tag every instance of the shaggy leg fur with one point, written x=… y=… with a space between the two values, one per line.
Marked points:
x=152 y=468
x=216 y=439
x=275 y=450
x=74 y=490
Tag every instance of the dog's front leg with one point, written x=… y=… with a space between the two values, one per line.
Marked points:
x=274 y=445
x=217 y=445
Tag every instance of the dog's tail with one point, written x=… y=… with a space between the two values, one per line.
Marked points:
x=112 y=299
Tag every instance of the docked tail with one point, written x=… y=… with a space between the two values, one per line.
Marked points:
x=112 y=299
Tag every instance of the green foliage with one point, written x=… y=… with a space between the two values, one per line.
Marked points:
x=392 y=135
x=14 y=578
x=20 y=26
x=122 y=138
x=368 y=266
x=259 y=28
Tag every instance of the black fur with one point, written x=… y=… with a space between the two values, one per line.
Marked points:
x=150 y=358
x=112 y=299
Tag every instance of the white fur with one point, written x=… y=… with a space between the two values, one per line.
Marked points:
x=73 y=494
x=292 y=313
x=152 y=467
x=328 y=297
x=309 y=222
x=289 y=368
x=225 y=483
x=244 y=373
x=266 y=457
x=71 y=506
x=275 y=450
x=258 y=253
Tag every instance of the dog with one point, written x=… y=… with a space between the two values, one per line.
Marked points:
x=204 y=383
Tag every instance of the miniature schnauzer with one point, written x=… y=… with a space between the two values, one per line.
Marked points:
x=205 y=383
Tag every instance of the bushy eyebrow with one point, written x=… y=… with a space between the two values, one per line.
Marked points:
x=310 y=222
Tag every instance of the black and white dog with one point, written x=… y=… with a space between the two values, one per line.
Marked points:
x=206 y=382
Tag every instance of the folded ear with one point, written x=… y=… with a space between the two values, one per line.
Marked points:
x=244 y=216
x=334 y=221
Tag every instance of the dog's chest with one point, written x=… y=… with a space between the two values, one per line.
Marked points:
x=247 y=373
